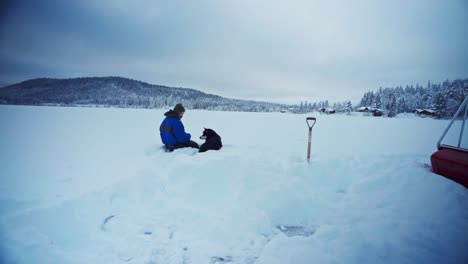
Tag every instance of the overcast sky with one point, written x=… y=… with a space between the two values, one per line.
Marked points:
x=280 y=51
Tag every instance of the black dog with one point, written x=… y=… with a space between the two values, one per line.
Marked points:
x=212 y=140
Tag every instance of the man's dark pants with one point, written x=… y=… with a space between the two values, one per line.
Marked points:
x=189 y=144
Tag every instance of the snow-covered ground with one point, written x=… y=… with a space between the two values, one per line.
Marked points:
x=92 y=185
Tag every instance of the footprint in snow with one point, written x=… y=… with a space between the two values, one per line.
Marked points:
x=105 y=223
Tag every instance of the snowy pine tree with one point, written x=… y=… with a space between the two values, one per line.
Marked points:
x=392 y=110
x=348 y=107
x=378 y=101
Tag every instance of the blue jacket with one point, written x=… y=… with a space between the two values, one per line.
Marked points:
x=172 y=130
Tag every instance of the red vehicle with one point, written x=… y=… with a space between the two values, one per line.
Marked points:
x=451 y=160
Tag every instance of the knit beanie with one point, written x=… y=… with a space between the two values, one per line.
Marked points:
x=179 y=108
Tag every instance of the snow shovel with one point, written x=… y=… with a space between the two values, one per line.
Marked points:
x=310 y=135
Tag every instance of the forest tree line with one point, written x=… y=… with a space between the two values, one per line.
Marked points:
x=444 y=98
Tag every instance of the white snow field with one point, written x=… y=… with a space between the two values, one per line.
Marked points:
x=92 y=185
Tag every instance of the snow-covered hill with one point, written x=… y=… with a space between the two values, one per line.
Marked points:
x=92 y=185
x=121 y=92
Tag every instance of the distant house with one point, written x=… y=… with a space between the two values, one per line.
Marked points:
x=368 y=109
x=327 y=110
x=363 y=109
x=425 y=112
x=373 y=110
x=377 y=112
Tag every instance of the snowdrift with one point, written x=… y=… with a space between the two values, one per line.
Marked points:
x=87 y=185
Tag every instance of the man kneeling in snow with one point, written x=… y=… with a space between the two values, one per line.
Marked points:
x=172 y=130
